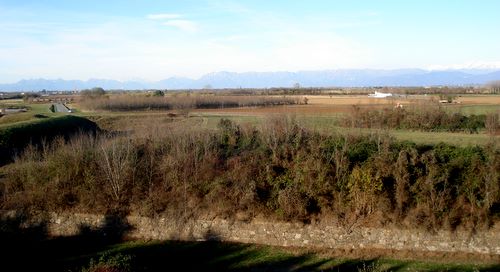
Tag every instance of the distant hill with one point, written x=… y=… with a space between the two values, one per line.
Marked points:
x=326 y=78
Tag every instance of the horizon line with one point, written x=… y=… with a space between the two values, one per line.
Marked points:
x=488 y=69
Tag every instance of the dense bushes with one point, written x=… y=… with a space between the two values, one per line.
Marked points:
x=280 y=170
x=138 y=103
x=428 y=118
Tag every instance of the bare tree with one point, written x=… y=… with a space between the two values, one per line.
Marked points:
x=117 y=164
x=492 y=122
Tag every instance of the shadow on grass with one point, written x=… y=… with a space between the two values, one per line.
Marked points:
x=27 y=246
x=30 y=249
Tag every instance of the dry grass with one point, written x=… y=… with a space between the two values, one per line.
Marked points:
x=410 y=99
x=483 y=99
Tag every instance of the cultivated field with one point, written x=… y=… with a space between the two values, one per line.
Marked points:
x=324 y=104
x=480 y=100
x=318 y=112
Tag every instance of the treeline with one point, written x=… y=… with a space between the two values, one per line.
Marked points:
x=96 y=92
x=423 y=118
x=137 y=102
x=279 y=171
x=444 y=90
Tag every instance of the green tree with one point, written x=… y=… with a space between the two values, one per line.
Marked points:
x=93 y=93
x=159 y=93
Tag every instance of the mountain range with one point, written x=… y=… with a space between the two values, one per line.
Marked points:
x=325 y=78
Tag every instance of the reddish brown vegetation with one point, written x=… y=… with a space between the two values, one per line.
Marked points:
x=138 y=103
x=424 y=118
x=281 y=170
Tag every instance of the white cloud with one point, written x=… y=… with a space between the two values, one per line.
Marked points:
x=184 y=25
x=130 y=48
x=163 y=16
x=174 y=20
x=312 y=52
x=148 y=50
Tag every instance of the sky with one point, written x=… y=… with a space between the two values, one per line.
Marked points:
x=153 y=40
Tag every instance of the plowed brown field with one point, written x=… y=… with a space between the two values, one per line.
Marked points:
x=326 y=105
x=476 y=100
x=321 y=105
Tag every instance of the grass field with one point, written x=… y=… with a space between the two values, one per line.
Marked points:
x=324 y=123
x=328 y=124
x=91 y=253
x=218 y=256
x=34 y=112
x=476 y=109
x=321 y=113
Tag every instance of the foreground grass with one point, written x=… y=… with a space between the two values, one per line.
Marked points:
x=84 y=252
x=222 y=256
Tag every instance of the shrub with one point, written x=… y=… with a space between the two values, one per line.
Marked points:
x=492 y=123
x=280 y=170
x=428 y=118
x=110 y=263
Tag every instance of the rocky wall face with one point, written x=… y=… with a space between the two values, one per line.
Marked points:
x=276 y=233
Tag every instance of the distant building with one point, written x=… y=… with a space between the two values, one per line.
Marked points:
x=380 y=95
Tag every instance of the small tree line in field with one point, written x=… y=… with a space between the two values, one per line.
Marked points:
x=427 y=118
x=280 y=170
x=139 y=103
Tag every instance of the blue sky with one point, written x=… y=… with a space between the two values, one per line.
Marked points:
x=153 y=40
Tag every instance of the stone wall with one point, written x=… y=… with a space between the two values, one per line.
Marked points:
x=280 y=234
